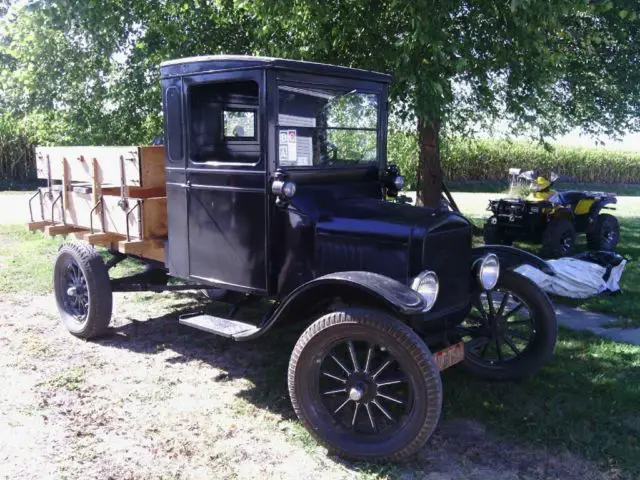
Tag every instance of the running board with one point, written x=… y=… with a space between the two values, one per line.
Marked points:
x=218 y=325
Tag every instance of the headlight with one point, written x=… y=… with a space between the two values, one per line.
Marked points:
x=427 y=285
x=398 y=182
x=284 y=188
x=489 y=272
x=535 y=188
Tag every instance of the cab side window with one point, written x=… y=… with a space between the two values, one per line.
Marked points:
x=223 y=122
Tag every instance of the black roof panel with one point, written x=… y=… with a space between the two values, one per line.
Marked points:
x=219 y=63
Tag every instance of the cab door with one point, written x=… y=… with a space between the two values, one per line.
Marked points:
x=226 y=181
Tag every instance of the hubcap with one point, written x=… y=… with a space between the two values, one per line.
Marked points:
x=356 y=394
x=76 y=294
x=364 y=388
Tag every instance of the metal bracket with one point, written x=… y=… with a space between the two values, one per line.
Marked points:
x=96 y=206
x=136 y=206
x=53 y=205
x=37 y=194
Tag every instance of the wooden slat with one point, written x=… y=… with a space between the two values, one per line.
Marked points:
x=152 y=166
x=137 y=192
x=102 y=238
x=154 y=218
x=37 y=225
x=66 y=183
x=80 y=170
x=144 y=166
x=152 y=249
x=53 y=230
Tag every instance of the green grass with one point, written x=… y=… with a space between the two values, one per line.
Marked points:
x=26 y=260
x=585 y=401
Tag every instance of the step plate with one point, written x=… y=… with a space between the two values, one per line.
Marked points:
x=218 y=325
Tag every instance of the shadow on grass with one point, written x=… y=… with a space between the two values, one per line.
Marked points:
x=584 y=402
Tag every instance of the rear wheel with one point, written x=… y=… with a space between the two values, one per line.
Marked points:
x=365 y=385
x=495 y=235
x=558 y=239
x=605 y=234
x=511 y=331
x=82 y=289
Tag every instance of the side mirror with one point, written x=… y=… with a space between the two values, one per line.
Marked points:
x=393 y=181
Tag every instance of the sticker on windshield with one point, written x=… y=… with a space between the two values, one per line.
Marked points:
x=293 y=146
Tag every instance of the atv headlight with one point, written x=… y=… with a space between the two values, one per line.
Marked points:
x=535 y=188
x=427 y=285
x=489 y=272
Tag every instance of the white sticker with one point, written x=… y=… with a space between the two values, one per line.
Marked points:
x=293 y=149
x=296 y=121
x=284 y=154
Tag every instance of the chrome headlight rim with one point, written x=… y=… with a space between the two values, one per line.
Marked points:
x=486 y=278
x=423 y=278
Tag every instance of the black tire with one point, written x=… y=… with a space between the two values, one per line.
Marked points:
x=87 y=311
x=558 y=239
x=540 y=328
x=605 y=234
x=309 y=371
x=494 y=235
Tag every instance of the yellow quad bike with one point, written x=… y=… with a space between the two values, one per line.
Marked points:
x=551 y=218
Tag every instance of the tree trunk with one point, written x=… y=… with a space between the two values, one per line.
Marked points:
x=429 y=171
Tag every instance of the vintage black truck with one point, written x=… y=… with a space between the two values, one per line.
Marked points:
x=275 y=178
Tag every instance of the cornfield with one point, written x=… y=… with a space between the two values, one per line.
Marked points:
x=17 y=162
x=464 y=160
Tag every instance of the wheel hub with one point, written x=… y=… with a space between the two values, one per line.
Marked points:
x=356 y=394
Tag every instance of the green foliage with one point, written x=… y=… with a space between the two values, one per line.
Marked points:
x=86 y=71
x=16 y=150
x=468 y=159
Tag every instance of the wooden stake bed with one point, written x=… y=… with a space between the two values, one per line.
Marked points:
x=111 y=196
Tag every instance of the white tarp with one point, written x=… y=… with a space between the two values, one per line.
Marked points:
x=574 y=278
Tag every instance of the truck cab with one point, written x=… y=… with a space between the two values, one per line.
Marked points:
x=239 y=128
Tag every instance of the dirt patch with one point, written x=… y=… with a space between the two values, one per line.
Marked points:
x=154 y=399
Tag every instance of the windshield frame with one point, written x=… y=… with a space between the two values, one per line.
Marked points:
x=341 y=87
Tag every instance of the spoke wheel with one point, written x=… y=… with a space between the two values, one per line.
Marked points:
x=365 y=385
x=364 y=388
x=82 y=289
x=510 y=331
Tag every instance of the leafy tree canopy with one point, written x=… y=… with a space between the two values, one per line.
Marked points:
x=85 y=71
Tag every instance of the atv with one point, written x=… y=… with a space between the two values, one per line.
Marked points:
x=550 y=217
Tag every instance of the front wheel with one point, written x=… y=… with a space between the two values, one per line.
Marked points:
x=365 y=385
x=605 y=234
x=558 y=239
x=510 y=331
x=82 y=289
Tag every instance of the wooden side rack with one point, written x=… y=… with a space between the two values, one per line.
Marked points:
x=110 y=196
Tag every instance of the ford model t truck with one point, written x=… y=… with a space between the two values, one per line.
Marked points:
x=275 y=178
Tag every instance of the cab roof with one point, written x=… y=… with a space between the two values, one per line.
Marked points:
x=221 y=63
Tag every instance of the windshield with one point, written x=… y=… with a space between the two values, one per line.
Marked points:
x=326 y=128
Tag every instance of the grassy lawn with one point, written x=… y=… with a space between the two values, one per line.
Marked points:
x=585 y=402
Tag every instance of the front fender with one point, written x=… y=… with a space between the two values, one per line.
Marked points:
x=511 y=257
x=362 y=287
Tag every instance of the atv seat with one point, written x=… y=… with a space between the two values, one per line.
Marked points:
x=571 y=198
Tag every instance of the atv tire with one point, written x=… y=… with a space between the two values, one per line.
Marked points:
x=494 y=235
x=605 y=234
x=558 y=239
